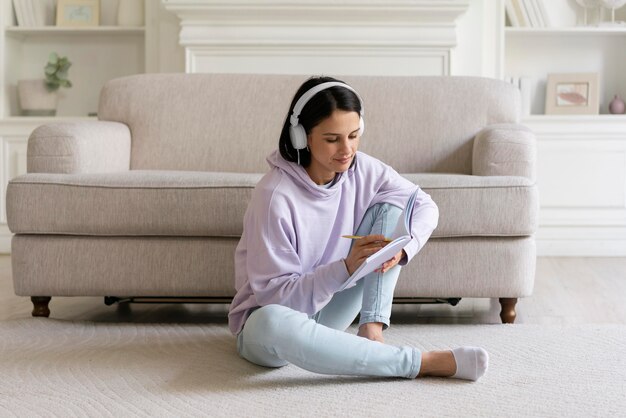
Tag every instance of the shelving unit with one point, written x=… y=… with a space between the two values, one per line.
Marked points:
x=581 y=159
x=22 y=32
x=535 y=53
x=98 y=54
x=591 y=31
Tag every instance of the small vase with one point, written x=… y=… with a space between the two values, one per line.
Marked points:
x=130 y=13
x=617 y=106
x=35 y=98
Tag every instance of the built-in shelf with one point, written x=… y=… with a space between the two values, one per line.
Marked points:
x=535 y=53
x=97 y=53
x=56 y=29
x=581 y=170
x=576 y=30
x=45 y=119
x=604 y=118
x=23 y=125
x=21 y=32
x=586 y=128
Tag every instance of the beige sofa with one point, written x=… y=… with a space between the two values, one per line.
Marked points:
x=148 y=201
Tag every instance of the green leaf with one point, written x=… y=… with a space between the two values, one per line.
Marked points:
x=56 y=71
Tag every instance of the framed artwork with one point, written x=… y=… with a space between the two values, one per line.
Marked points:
x=78 y=13
x=572 y=94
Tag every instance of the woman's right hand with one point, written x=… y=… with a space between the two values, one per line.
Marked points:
x=361 y=249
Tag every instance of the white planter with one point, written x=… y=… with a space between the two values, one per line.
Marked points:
x=35 y=98
x=130 y=13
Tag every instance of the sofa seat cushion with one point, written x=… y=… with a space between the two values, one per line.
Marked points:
x=481 y=205
x=187 y=203
x=135 y=202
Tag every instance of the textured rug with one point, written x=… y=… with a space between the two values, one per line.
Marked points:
x=58 y=368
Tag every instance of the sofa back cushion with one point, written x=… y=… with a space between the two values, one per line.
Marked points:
x=231 y=122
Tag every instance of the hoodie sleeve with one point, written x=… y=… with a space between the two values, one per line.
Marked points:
x=395 y=189
x=273 y=266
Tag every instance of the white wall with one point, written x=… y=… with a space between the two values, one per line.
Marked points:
x=468 y=56
x=171 y=53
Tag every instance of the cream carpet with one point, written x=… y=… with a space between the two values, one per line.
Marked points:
x=57 y=368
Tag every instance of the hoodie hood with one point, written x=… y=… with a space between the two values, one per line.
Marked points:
x=300 y=177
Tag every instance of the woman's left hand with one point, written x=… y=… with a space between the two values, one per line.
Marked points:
x=391 y=263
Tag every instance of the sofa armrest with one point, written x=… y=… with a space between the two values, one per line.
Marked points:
x=505 y=150
x=79 y=147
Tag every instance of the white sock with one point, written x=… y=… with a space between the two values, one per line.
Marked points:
x=471 y=362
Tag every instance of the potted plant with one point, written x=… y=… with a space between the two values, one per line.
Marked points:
x=39 y=97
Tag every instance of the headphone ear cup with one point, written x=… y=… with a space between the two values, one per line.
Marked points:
x=361 y=126
x=298 y=136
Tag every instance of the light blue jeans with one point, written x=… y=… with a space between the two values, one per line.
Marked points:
x=275 y=335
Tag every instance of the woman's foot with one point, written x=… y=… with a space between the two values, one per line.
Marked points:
x=372 y=331
x=437 y=363
x=468 y=363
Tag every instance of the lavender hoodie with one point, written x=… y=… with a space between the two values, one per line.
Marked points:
x=291 y=251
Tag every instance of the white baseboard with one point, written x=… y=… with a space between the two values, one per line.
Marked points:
x=5 y=240
x=581 y=248
x=581 y=241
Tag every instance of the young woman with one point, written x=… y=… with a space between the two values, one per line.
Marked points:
x=291 y=263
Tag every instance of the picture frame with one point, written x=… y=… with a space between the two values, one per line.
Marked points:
x=78 y=13
x=572 y=94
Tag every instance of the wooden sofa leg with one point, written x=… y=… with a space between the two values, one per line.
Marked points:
x=40 y=305
x=507 y=314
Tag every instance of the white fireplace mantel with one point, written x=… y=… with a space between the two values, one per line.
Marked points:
x=271 y=11
x=401 y=37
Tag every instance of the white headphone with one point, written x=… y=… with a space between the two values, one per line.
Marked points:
x=297 y=132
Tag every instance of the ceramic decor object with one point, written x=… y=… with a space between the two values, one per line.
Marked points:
x=617 y=106
x=36 y=99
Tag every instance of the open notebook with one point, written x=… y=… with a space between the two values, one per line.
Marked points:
x=401 y=237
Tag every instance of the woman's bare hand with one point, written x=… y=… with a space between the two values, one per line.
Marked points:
x=391 y=263
x=363 y=248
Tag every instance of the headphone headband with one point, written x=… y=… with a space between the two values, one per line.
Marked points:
x=297 y=133
x=304 y=99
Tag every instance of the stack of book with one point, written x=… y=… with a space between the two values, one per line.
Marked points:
x=540 y=13
x=34 y=12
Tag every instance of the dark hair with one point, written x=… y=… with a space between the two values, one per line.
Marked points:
x=317 y=109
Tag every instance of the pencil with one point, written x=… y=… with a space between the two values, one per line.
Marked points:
x=359 y=237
